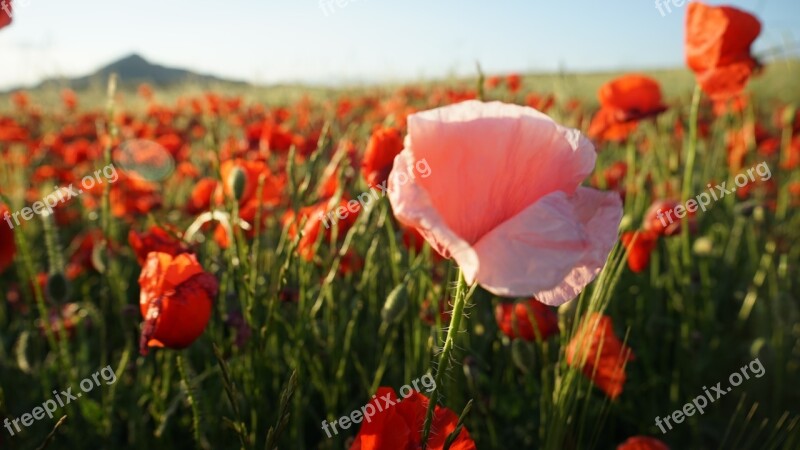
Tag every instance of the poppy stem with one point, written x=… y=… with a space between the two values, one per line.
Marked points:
x=443 y=364
x=688 y=173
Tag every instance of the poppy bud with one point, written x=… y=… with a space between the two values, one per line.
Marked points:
x=57 y=287
x=237 y=180
x=396 y=304
x=703 y=246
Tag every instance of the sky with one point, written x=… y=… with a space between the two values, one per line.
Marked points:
x=274 y=41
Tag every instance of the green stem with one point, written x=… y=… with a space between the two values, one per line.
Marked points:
x=444 y=358
x=196 y=421
x=688 y=173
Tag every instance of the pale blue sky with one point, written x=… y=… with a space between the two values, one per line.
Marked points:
x=366 y=40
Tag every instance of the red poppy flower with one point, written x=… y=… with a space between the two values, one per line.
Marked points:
x=614 y=177
x=662 y=219
x=20 y=99
x=639 y=250
x=642 y=443
x=383 y=146
x=145 y=91
x=514 y=82
x=70 y=99
x=600 y=355
x=540 y=103
x=66 y=316
x=200 y=199
x=132 y=196
x=156 y=239
x=399 y=424
x=516 y=320
x=733 y=105
x=793 y=161
x=249 y=202
x=6 y=14
x=175 y=301
x=739 y=142
x=718 y=40
x=8 y=247
x=427 y=312
x=320 y=218
x=492 y=82
x=624 y=102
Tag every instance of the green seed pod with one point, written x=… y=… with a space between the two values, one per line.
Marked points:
x=523 y=355
x=396 y=304
x=703 y=246
x=236 y=182
x=57 y=288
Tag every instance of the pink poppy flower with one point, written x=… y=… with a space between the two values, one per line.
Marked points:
x=503 y=198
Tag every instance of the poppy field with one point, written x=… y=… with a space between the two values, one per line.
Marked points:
x=600 y=261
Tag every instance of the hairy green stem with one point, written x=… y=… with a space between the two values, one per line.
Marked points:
x=444 y=358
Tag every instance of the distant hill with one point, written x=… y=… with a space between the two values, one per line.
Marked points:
x=134 y=70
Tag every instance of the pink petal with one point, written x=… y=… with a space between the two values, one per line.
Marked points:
x=490 y=161
x=551 y=250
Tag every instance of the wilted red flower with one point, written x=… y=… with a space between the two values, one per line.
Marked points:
x=517 y=320
x=398 y=425
x=8 y=247
x=600 y=355
x=156 y=239
x=383 y=146
x=718 y=40
x=625 y=101
x=640 y=247
x=175 y=301
x=642 y=443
